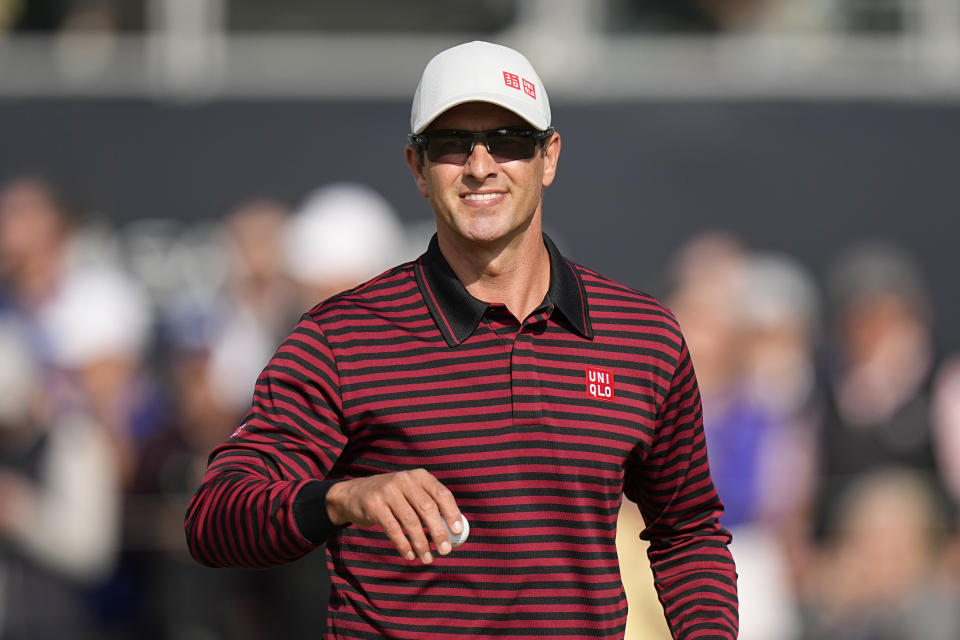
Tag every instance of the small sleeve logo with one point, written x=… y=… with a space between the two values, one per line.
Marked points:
x=600 y=383
x=237 y=431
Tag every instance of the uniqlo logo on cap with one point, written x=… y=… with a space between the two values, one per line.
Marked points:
x=599 y=383
x=529 y=88
x=511 y=79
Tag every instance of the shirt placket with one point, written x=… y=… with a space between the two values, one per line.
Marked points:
x=519 y=342
x=525 y=371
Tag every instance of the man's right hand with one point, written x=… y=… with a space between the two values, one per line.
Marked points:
x=402 y=504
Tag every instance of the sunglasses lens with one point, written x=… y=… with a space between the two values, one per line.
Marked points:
x=505 y=147
x=454 y=147
x=449 y=148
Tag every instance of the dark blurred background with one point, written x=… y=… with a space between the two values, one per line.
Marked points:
x=179 y=179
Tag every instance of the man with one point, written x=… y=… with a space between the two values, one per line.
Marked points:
x=490 y=378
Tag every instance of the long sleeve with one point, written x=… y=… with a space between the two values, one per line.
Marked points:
x=249 y=509
x=693 y=570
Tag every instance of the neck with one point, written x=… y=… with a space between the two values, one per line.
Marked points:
x=515 y=273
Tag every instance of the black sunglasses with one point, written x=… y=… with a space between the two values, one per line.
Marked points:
x=450 y=146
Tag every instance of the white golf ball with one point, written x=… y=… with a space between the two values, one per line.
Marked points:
x=457 y=539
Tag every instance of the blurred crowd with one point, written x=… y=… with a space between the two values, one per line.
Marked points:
x=832 y=423
x=476 y=16
x=126 y=354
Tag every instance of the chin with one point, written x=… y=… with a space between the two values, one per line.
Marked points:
x=488 y=235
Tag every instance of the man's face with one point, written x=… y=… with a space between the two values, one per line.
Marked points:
x=484 y=201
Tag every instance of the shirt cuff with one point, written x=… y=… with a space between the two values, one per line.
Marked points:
x=310 y=511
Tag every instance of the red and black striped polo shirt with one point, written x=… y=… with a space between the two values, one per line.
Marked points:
x=538 y=428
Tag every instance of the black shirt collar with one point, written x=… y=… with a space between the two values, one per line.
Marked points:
x=457 y=313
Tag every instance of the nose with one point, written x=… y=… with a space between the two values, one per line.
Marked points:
x=480 y=163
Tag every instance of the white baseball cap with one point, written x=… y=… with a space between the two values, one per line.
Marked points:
x=480 y=72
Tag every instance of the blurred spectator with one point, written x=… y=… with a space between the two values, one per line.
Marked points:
x=881 y=375
x=879 y=578
x=254 y=234
x=35 y=228
x=749 y=320
x=343 y=233
x=891 y=404
x=258 y=304
x=780 y=310
x=92 y=322
x=99 y=327
x=59 y=503
x=706 y=296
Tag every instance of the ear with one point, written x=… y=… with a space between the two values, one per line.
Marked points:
x=551 y=156
x=413 y=156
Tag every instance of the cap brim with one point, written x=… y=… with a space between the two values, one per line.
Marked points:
x=519 y=107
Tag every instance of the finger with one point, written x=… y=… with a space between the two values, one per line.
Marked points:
x=394 y=530
x=446 y=503
x=413 y=527
x=430 y=516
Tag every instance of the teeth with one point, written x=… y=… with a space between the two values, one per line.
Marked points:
x=481 y=196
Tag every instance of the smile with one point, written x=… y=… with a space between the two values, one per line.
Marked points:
x=481 y=197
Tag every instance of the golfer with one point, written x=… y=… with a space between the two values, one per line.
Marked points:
x=490 y=382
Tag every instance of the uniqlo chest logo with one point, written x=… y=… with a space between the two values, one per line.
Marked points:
x=529 y=89
x=511 y=80
x=599 y=383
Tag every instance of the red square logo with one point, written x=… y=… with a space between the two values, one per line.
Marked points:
x=600 y=383
x=529 y=88
x=511 y=79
